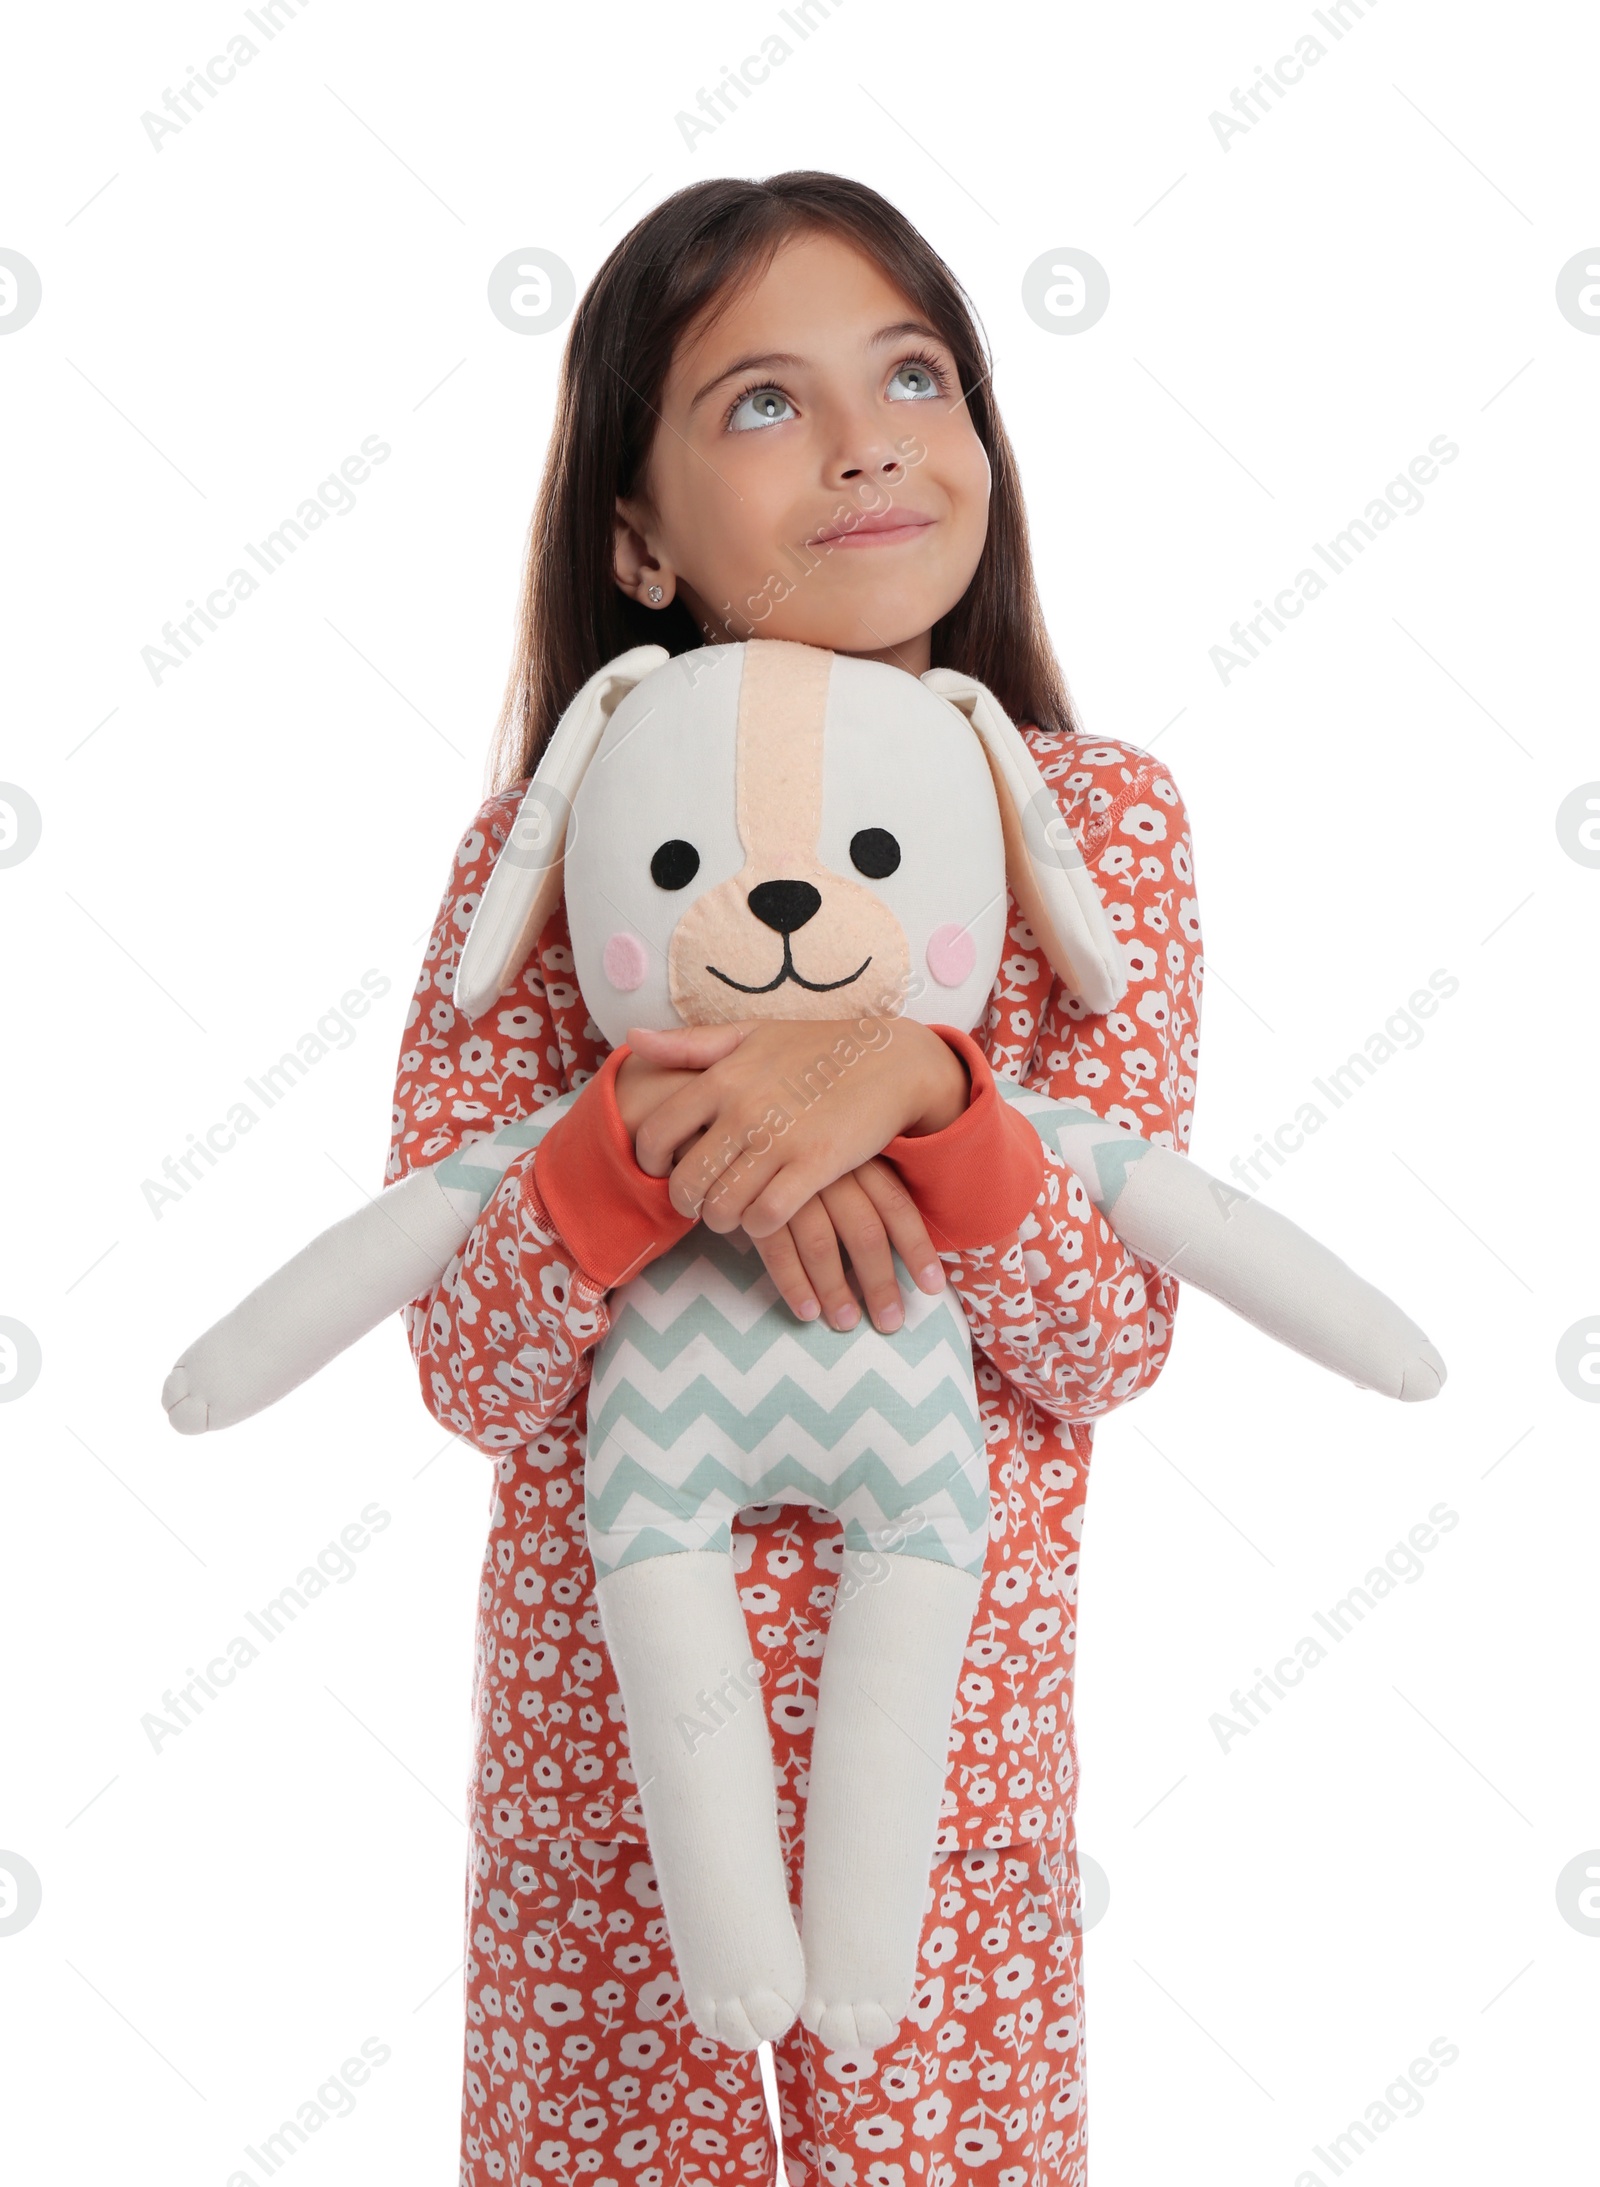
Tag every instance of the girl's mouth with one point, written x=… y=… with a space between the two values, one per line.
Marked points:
x=884 y=528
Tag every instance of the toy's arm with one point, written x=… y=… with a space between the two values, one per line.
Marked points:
x=1266 y=1268
x=499 y=1247
x=343 y=1284
x=1077 y=1310
x=1110 y=1098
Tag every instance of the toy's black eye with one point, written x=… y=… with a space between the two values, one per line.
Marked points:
x=874 y=852
x=675 y=864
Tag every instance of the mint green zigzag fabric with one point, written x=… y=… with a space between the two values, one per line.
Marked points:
x=1101 y=1153
x=804 y=1418
x=708 y=1396
x=745 y=1349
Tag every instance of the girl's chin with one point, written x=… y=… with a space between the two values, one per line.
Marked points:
x=852 y=614
x=900 y=639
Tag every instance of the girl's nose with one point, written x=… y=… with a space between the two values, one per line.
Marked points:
x=784 y=905
x=862 y=446
x=868 y=458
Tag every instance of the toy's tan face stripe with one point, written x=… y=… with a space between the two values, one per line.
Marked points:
x=783 y=705
x=778 y=759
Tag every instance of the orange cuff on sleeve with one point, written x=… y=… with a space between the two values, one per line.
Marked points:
x=615 y=1216
x=976 y=1180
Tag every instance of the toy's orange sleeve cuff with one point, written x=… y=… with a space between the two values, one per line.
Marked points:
x=976 y=1180
x=614 y=1216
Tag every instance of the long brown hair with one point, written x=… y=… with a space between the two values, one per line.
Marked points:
x=677 y=263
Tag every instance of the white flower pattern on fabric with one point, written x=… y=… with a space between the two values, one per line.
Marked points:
x=580 y=2058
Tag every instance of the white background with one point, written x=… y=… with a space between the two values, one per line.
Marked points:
x=1292 y=319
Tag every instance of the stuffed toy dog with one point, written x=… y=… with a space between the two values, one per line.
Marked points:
x=769 y=830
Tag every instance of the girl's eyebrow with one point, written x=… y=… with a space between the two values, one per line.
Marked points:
x=787 y=358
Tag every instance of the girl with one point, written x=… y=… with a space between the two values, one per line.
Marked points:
x=775 y=420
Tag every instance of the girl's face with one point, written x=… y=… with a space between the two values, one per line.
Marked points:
x=815 y=475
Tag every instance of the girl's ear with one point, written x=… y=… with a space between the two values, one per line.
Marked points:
x=526 y=881
x=1053 y=887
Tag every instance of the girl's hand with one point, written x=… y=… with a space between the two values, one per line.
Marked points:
x=773 y=1111
x=869 y=1212
x=641 y=1086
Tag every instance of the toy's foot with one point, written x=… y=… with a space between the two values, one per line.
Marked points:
x=865 y=2025
x=765 y=1972
x=1422 y=1377
x=188 y=1412
x=759 y=2016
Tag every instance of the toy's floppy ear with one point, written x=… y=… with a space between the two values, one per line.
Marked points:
x=1054 y=889
x=526 y=880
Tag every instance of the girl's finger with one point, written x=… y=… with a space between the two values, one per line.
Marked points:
x=687 y=1110
x=781 y=1259
x=907 y=1231
x=687 y=1047
x=864 y=1236
x=719 y=1179
x=765 y=1197
x=818 y=1244
x=642 y=1086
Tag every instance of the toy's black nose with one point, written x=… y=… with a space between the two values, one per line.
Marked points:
x=784 y=905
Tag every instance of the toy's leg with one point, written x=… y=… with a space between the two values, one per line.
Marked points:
x=878 y=1755
x=702 y=1757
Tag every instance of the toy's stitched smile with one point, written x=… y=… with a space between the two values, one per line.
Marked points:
x=787 y=972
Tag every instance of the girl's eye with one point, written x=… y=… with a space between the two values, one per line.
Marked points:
x=759 y=406
x=874 y=852
x=916 y=380
x=675 y=864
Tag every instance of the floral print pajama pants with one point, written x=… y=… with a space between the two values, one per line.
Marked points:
x=584 y=2070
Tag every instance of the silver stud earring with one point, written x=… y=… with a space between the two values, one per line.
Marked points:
x=655 y=592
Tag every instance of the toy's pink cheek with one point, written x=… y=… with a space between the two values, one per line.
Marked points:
x=951 y=954
x=626 y=962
